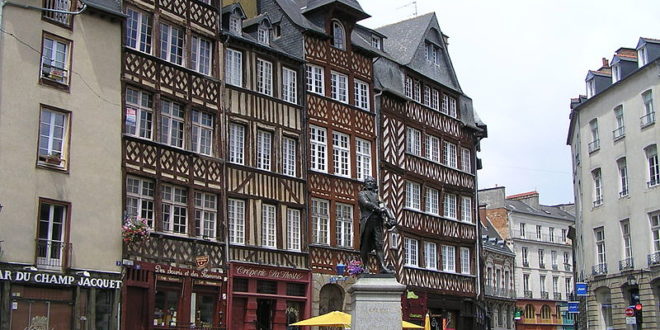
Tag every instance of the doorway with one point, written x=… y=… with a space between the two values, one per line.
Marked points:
x=265 y=309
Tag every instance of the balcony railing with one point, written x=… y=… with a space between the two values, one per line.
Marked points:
x=618 y=133
x=647 y=119
x=541 y=265
x=555 y=267
x=525 y=263
x=600 y=269
x=654 y=258
x=53 y=255
x=54 y=73
x=623 y=192
x=62 y=5
x=594 y=146
x=567 y=267
x=545 y=295
x=500 y=292
x=556 y=295
x=626 y=264
x=598 y=202
x=528 y=294
x=653 y=182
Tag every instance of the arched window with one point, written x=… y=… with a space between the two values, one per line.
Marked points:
x=338 y=35
x=530 y=312
x=545 y=312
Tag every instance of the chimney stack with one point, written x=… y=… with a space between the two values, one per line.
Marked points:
x=606 y=63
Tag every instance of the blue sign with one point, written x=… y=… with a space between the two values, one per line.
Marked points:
x=573 y=306
x=581 y=289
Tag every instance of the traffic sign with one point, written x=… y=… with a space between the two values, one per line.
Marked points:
x=631 y=320
x=581 y=289
x=630 y=312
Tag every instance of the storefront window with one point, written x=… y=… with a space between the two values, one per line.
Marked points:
x=166 y=305
x=268 y=287
x=203 y=306
x=103 y=309
x=294 y=313
x=295 y=289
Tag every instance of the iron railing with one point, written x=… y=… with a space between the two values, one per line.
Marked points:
x=528 y=294
x=545 y=295
x=654 y=258
x=53 y=254
x=618 y=133
x=556 y=295
x=63 y=5
x=653 y=182
x=600 y=269
x=594 y=145
x=647 y=119
x=626 y=264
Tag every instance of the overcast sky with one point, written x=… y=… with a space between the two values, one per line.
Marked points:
x=521 y=62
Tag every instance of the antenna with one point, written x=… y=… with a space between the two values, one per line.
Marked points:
x=414 y=4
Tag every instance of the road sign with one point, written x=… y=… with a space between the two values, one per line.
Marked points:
x=631 y=320
x=581 y=289
x=630 y=312
x=573 y=306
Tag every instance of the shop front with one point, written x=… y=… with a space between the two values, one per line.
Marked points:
x=267 y=298
x=445 y=312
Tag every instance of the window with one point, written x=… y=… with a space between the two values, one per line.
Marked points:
x=171 y=123
x=338 y=35
x=410 y=252
x=553 y=259
x=642 y=56
x=448 y=258
x=551 y=231
x=432 y=201
x=433 y=148
x=591 y=88
x=655 y=230
x=235 y=24
x=449 y=156
x=268 y=226
x=61 y=5
x=363 y=158
x=171 y=43
x=414 y=141
x=318 y=149
x=435 y=99
x=289 y=86
x=407 y=86
x=140 y=199
x=432 y=53
x=341 y=154
x=236 y=143
x=264 y=142
x=627 y=241
x=293 y=229
x=138 y=30
x=546 y=312
x=344 y=225
x=452 y=106
x=450 y=206
x=205 y=214
x=466 y=209
x=53 y=138
x=201 y=55
x=563 y=235
x=567 y=258
x=430 y=255
x=649 y=112
x=466 y=160
x=320 y=221
x=620 y=130
x=623 y=177
x=51 y=244
x=139 y=113
x=234 y=68
x=569 y=288
x=416 y=90
x=616 y=72
x=361 y=94
x=375 y=42
x=599 y=234
x=264 y=77
x=522 y=230
x=263 y=35
x=236 y=214
x=202 y=132
x=594 y=145
x=174 y=209
x=289 y=156
x=339 y=85
x=538 y=232
x=530 y=313
x=526 y=283
x=541 y=258
x=654 y=169
x=55 y=59
x=542 y=283
x=315 y=79
x=465 y=261
x=525 y=256
x=598 y=187
x=412 y=195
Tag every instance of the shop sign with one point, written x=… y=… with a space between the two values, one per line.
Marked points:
x=573 y=306
x=201 y=262
x=268 y=273
x=581 y=289
x=204 y=273
x=58 y=279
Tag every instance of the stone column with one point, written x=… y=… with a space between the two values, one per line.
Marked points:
x=376 y=301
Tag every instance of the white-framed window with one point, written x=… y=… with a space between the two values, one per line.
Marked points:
x=361 y=94
x=139 y=113
x=525 y=256
x=591 y=88
x=407 y=86
x=449 y=258
x=620 y=129
x=433 y=148
x=201 y=55
x=263 y=35
x=138 y=30
x=264 y=156
x=319 y=147
x=171 y=123
x=465 y=261
x=289 y=156
x=339 y=87
x=616 y=72
x=293 y=229
x=289 y=86
x=51 y=235
x=466 y=160
x=654 y=218
x=598 y=187
x=341 y=154
x=595 y=139
x=320 y=221
x=414 y=141
x=567 y=258
x=205 y=214
x=569 y=287
x=202 y=132
x=563 y=235
x=314 y=76
x=417 y=90
x=553 y=258
x=623 y=176
x=171 y=43
x=430 y=255
x=466 y=209
x=432 y=53
x=426 y=95
x=268 y=226
x=541 y=258
x=649 y=111
x=234 y=67
x=539 y=231
x=55 y=59
x=362 y=158
x=264 y=77
x=626 y=239
x=412 y=195
x=435 y=99
x=654 y=168
x=140 y=199
x=236 y=215
x=53 y=138
x=523 y=232
x=410 y=251
x=551 y=232
x=432 y=201
x=338 y=35
x=449 y=154
x=543 y=287
x=236 y=143
x=450 y=206
x=599 y=234
x=174 y=209
x=235 y=24
x=642 y=56
x=375 y=42
x=453 y=110
x=344 y=213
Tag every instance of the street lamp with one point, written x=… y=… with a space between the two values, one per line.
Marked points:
x=632 y=281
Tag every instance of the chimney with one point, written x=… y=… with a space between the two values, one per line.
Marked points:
x=530 y=198
x=606 y=63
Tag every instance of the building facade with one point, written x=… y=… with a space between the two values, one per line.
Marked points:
x=613 y=141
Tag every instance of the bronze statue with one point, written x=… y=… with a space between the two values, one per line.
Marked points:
x=373 y=216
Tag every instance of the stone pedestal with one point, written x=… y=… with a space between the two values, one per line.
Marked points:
x=376 y=301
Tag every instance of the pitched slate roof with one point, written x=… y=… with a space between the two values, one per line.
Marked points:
x=543 y=210
x=404 y=37
x=490 y=239
x=353 y=4
x=109 y=6
x=293 y=9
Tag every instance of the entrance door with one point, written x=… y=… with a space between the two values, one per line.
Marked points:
x=265 y=309
x=136 y=308
x=41 y=315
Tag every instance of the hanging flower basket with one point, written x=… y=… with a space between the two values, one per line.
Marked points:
x=135 y=230
x=355 y=268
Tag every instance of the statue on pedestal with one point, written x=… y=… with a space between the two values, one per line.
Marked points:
x=373 y=216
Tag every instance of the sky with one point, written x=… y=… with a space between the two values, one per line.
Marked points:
x=521 y=61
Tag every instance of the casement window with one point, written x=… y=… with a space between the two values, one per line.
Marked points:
x=202 y=132
x=522 y=230
x=140 y=199
x=206 y=213
x=597 y=187
x=289 y=156
x=363 y=158
x=432 y=201
x=341 y=153
x=60 y=5
x=407 y=86
x=599 y=235
x=466 y=160
x=268 y=226
x=654 y=218
x=445 y=104
x=449 y=155
x=344 y=213
x=426 y=98
x=416 y=90
x=623 y=176
x=53 y=138
x=452 y=107
x=539 y=230
x=542 y=285
x=449 y=258
x=293 y=229
x=654 y=169
x=320 y=221
x=541 y=258
x=263 y=35
x=234 y=68
x=616 y=72
x=339 y=85
x=289 y=86
x=465 y=262
x=432 y=148
x=450 y=206
x=594 y=145
x=414 y=141
x=410 y=251
x=338 y=35
x=591 y=88
x=466 y=209
x=551 y=232
x=649 y=111
x=430 y=255
x=235 y=24
x=553 y=258
x=171 y=123
x=171 y=43
x=55 y=59
x=264 y=77
x=361 y=94
x=174 y=209
x=567 y=259
x=319 y=148
x=432 y=53
x=375 y=42
x=626 y=239
x=138 y=30
x=435 y=99
x=51 y=235
x=569 y=287
x=642 y=56
x=620 y=130
x=314 y=76
x=563 y=235
x=139 y=113
x=525 y=256
x=236 y=143
x=412 y=195
x=201 y=55
x=236 y=215
x=264 y=143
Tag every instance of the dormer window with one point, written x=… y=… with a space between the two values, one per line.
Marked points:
x=591 y=88
x=338 y=35
x=263 y=35
x=235 y=24
x=375 y=42
x=277 y=30
x=432 y=53
x=616 y=73
x=642 y=56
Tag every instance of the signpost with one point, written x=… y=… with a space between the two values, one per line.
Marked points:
x=574 y=307
x=630 y=316
x=581 y=289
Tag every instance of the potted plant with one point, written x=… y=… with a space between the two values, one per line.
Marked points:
x=54 y=158
x=135 y=230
